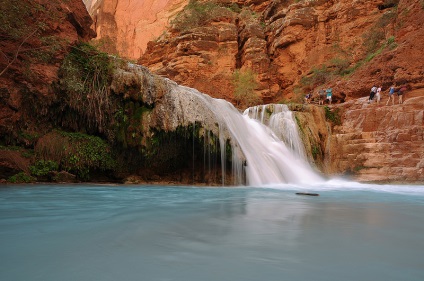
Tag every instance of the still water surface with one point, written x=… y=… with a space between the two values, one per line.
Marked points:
x=149 y=233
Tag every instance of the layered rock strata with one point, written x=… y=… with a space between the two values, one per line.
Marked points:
x=381 y=143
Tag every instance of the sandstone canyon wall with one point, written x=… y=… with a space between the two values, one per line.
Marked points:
x=378 y=142
x=291 y=46
x=125 y=27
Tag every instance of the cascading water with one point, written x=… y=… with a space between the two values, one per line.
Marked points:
x=280 y=120
x=257 y=152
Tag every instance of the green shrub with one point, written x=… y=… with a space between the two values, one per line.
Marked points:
x=373 y=39
x=26 y=21
x=340 y=65
x=198 y=13
x=317 y=76
x=244 y=88
x=77 y=153
x=21 y=177
x=333 y=115
x=42 y=168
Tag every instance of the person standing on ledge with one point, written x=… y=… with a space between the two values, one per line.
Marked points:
x=329 y=95
x=321 y=96
x=401 y=91
x=391 y=96
x=372 y=93
x=377 y=95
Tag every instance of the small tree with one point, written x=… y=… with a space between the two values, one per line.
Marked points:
x=24 y=29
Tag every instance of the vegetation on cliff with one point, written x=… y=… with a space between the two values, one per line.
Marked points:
x=84 y=82
x=199 y=13
x=244 y=88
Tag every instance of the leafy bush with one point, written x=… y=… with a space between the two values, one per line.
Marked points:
x=42 y=168
x=21 y=177
x=76 y=153
x=333 y=115
x=318 y=76
x=244 y=88
x=198 y=13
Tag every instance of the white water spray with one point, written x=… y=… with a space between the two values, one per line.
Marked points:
x=265 y=158
x=280 y=120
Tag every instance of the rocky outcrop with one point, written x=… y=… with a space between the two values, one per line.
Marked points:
x=36 y=36
x=298 y=47
x=399 y=62
x=378 y=142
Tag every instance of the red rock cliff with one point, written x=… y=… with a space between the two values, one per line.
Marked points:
x=35 y=36
x=125 y=27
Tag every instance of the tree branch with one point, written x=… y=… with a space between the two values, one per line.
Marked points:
x=17 y=52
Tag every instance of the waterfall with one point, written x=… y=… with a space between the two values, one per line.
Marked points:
x=280 y=120
x=258 y=153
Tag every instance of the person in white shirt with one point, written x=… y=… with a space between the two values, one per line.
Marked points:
x=372 y=93
x=377 y=94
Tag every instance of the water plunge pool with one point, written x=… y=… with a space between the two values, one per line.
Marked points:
x=98 y=232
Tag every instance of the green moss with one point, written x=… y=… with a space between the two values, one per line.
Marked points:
x=88 y=152
x=356 y=169
x=315 y=150
x=299 y=125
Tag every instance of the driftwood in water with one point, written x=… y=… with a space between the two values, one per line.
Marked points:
x=307 y=193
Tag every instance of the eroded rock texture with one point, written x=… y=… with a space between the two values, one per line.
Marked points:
x=292 y=46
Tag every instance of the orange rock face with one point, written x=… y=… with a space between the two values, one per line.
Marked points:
x=380 y=142
x=298 y=47
x=125 y=27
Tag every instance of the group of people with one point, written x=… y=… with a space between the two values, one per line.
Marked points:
x=376 y=93
x=327 y=95
x=323 y=95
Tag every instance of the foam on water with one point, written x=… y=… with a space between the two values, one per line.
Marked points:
x=339 y=184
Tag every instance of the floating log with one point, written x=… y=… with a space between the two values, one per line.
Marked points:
x=307 y=193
